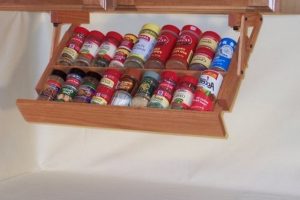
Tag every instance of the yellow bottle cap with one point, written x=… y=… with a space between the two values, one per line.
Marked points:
x=153 y=27
x=130 y=36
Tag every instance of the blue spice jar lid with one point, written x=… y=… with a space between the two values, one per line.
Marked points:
x=152 y=74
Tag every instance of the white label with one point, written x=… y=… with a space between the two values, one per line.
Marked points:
x=211 y=81
x=143 y=48
x=121 y=99
x=107 y=49
x=90 y=48
x=184 y=97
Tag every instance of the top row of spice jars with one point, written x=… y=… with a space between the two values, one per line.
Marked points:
x=153 y=48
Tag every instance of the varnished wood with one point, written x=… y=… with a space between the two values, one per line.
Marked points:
x=141 y=119
x=288 y=7
x=55 y=37
x=70 y=17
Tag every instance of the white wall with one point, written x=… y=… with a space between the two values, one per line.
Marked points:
x=261 y=153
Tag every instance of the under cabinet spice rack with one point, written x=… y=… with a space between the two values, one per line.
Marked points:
x=185 y=122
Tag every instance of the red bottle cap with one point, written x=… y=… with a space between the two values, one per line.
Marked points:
x=172 y=28
x=189 y=79
x=169 y=75
x=193 y=28
x=114 y=72
x=98 y=35
x=206 y=51
x=82 y=30
x=105 y=90
x=212 y=34
x=115 y=35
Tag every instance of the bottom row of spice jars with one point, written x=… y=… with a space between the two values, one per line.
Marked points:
x=132 y=88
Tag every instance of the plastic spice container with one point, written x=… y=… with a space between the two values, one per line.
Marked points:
x=142 y=49
x=88 y=88
x=164 y=93
x=108 y=49
x=123 y=50
x=73 y=46
x=202 y=101
x=103 y=95
x=184 y=48
x=184 y=93
x=209 y=39
x=202 y=59
x=223 y=55
x=111 y=78
x=70 y=87
x=53 y=85
x=147 y=87
x=127 y=86
x=89 y=48
x=163 y=48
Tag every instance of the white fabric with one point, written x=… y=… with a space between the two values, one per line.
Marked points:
x=261 y=155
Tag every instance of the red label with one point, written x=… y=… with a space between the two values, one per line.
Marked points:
x=202 y=102
x=76 y=42
x=73 y=81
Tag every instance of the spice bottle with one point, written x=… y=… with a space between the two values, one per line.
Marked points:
x=72 y=48
x=88 y=87
x=108 y=49
x=184 y=48
x=89 y=48
x=53 y=85
x=111 y=78
x=70 y=87
x=147 y=87
x=202 y=59
x=127 y=86
x=184 y=93
x=163 y=48
x=142 y=49
x=123 y=50
x=210 y=40
x=164 y=93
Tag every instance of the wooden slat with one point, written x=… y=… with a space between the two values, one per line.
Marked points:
x=72 y=17
x=142 y=119
x=288 y=7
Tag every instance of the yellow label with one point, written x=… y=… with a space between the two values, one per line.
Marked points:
x=71 y=52
x=208 y=42
x=107 y=82
x=99 y=100
x=201 y=59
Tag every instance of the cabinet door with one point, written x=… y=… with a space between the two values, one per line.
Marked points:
x=288 y=6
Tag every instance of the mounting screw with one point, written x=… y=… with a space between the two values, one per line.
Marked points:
x=55 y=24
x=251 y=46
x=242 y=72
x=236 y=28
x=246 y=18
x=261 y=19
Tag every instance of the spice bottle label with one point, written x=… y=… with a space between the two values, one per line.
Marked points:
x=161 y=98
x=51 y=89
x=208 y=42
x=126 y=85
x=183 y=97
x=146 y=89
x=202 y=102
x=107 y=50
x=144 y=46
x=121 y=55
x=201 y=59
x=89 y=48
x=99 y=100
x=85 y=92
x=70 y=52
x=211 y=81
x=121 y=99
x=68 y=92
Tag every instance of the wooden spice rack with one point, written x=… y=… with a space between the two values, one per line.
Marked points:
x=183 y=122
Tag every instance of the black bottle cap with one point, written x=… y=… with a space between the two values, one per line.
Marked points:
x=77 y=71
x=94 y=75
x=59 y=73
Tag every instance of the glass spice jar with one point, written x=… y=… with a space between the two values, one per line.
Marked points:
x=145 y=90
x=202 y=59
x=108 y=49
x=88 y=87
x=143 y=47
x=53 y=85
x=184 y=48
x=70 y=87
x=126 y=88
x=123 y=50
x=103 y=95
x=164 y=93
x=163 y=48
x=111 y=78
x=210 y=40
x=184 y=93
x=89 y=48
x=73 y=46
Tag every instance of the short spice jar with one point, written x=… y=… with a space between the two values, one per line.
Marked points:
x=111 y=78
x=148 y=85
x=53 y=85
x=184 y=48
x=88 y=87
x=108 y=49
x=163 y=48
x=143 y=47
x=89 y=48
x=73 y=46
x=202 y=59
x=210 y=40
x=126 y=87
x=163 y=94
x=123 y=50
x=184 y=93
x=70 y=87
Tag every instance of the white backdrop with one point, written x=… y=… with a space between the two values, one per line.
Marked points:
x=259 y=160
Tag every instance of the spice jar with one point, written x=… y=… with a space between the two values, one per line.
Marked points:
x=89 y=48
x=108 y=49
x=123 y=50
x=147 y=87
x=209 y=39
x=163 y=94
x=72 y=48
x=127 y=86
x=110 y=78
x=184 y=48
x=88 y=87
x=70 y=87
x=202 y=59
x=142 y=49
x=184 y=93
x=163 y=48
x=202 y=101
x=103 y=95
x=53 y=85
